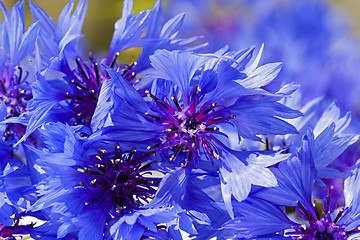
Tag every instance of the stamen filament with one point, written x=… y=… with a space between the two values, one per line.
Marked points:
x=81 y=68
x=114 y=59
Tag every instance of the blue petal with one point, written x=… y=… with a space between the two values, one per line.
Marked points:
x=352 y=197
x=172 y=188
x=262 y=76
x=328 y=146
x=54 y=38
x=171 y=27
x=178 y=67
x=104 y=106
x=68 y=23
x=262 y=116
x=48 y=26
x=92 y=225
x=45 y=98
x=296 y=178
x=3 y=114
x=132 y=226
x=128 y=31
x=27 y=44
x=240 y=170
x=258 y=218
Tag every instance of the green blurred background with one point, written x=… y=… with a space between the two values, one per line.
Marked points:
x=102 y=14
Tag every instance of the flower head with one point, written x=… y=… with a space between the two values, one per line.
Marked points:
x=192 y=105
x=296 y=178
x=108 y=184
x=120 y=178
x=195 y=103
x=16 y=44
x=321 y=227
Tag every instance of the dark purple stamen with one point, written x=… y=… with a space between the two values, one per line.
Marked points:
x=87 y=80
x=122 y=178
x=3 y=87
x=15 y=93
x=187 y=128
x=81 y=68
x=321 y=228
x=267 y=144
x=97 y=72
x=114 y=59
x=20 y=74
x=128 y=73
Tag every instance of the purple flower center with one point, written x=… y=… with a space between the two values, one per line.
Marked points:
x=123 y=179
x=15 y=92
x=87 y=84
x=321 y=228
x=87 y=80
x=188 y=128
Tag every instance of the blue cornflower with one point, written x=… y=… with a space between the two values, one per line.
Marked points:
x=73 y=98
x=193 y=97
x=328 y=133
x=99 y=193
x=16 y=44
x=328 y=140
x=194 y=102
x=16 y=190
x=296 y=178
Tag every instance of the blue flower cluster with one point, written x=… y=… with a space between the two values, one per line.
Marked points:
x=178 y=144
